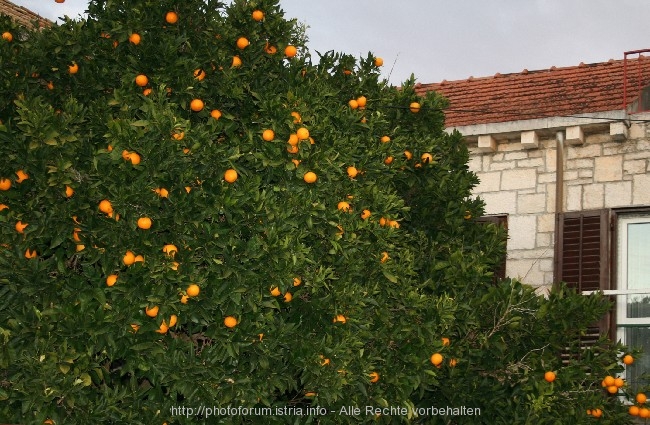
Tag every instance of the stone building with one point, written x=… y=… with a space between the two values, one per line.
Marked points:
x=22 y=15
x=563 y=157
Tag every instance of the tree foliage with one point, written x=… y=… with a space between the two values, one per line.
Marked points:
x=325 y=299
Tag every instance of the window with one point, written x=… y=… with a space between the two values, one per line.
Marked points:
x=609 y=250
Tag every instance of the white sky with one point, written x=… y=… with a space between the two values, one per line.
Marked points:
x=455 y=39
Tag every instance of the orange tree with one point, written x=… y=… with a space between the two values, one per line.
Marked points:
x=195 y=215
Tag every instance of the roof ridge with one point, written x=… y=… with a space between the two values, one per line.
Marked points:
x=21 y=14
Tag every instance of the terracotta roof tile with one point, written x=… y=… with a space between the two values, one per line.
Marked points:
x=572 y=90
x=22 y=15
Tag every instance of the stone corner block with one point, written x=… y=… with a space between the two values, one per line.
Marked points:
x=486 y=143
x=618 y=131
x=575 y=135
x=529 y=139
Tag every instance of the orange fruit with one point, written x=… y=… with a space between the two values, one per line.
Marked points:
x=236 y=62
x=135 y=38
x=193 y=290
x=196 y=105
x=242 y=42
x=388 y=160
x=139 y=258
x=129 y=258
x=354 y=104
x=3 y=207
x=619 y=382
x=293 y=139
x=362 y=101
x=365 y=214
x=393 y=223
x=641 y=398
x=302 y=133
x=268 y=135
x=296 y=117
x=324 y=361
x=436 y=359
x=596 y=413
x=144 y=223
x=141 y=80
x=216 y=114
x=5 y=184
x=426 y=158
x=163 y=328
x=230 y=321
x=73 y=69
x=383 y=221
x=20 y=226
x=352 y=172
x=608 y=381
x=340 y=318
x=69 y=191
x=385 y=139
x=151 y=312
x=199 y=74
x=275 y=291
x=111 y=279
x=634 y=410
x=310 y=177
x=612 y=389
x=22 y=176
x=135 y=158
x=445 y=341
x=384 y=257
x=170 y=249
x=453 y=362
x=30 y=254
x=290 y=51
x=178 y=135
x=296 y=162
x=297 y=281
x=171 y=17
x=374 y=377
x=414 y=107
x=162 y=192
x=258 y=15
x=184 y=299
x=288 y=297
x=343 y=206
x=644 y=412
x=7 y=36
x=549 y=376
x=408 y=155
x=270 y=49
x=628 y=359
x=379 y=62
x=173 y=319
x=106 y=207
x=230 y=175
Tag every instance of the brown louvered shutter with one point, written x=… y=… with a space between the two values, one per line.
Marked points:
x=583 y=257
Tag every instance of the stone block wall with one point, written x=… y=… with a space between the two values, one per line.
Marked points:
x=520 y=181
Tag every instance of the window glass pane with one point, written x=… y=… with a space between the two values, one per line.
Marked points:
x=638 y=338
x=638 y=268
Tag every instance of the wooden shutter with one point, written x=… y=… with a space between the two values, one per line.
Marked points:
x=583 y=257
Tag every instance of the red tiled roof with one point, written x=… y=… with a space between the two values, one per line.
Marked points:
x=537 y=94
x=22 y=15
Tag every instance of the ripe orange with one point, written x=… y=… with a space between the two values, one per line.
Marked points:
x=141 y=80
x=288 y=297
x=216 y=114
x=436 y=359
x=129 y=258
x=5 y=184
x=628 y=359
x=619 y=382
x=297 y=281
x=445 y=341
x=385 y=139
x=340 y=318
x=414 y=107
x=22 y=176
x=453 y=362
x=641 y=398
x=7 y=36
x=310 y=177
x=388 y=160
x=111 y=279
x=139 y=258
x=106 y=207
x=135 y=38
x=354 y=104
x=324 y=361
x=290 y=51
x=242 y=42
x=162 y=192
x=163 y=328
x=173 y=319
x=612 y=389
x=270 y=49
x=30 y=254
x=596 y=413
x=426 y=158
x=374 y=377
x=73 y=69
x=171 y=17
x=549 y=376
x=268 y=135
x=199 y=74
x=193 y=290
x=608 y=381
x=151 y=312
x=144 y=223
x=230 y=175
x=634 y=410
x=343 y=206
x=230 y=322
x=302 y=133
x=69 y=191
x=362 y=101
x=393 y=223
x=293 y=139
x=135 y=158
x=170 y=249
x=644 y=412
x=296 y=117
x=275 y=291
x=236 y=62
x=196 y=105
x=3 y=207
x=258 y=15
x=384 y=257
x=20 y=226
x=365 y=214
x=379 y=61
x=184 y=299
x=352 y=172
